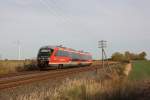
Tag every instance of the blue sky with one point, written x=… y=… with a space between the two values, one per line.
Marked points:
x=79 y=24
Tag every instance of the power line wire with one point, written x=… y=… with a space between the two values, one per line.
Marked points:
x=49 y=8
x=53 y=7
x=67 y=18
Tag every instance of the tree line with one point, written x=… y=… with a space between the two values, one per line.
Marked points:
x=128 y=56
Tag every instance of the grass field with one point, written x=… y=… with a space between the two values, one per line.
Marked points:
x=140 y=70
x=90 y=88
x=10 y=66
x=95 y=88
x=13 y=66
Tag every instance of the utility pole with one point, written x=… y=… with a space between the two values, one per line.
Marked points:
x=102 y=45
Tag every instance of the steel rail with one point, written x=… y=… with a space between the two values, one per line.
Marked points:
x=14 y=81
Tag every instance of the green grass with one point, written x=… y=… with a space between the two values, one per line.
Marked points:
x=140 y=70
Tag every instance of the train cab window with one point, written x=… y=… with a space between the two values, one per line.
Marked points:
x=45 y=52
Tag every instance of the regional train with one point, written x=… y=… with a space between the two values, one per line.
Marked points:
x=60 y=57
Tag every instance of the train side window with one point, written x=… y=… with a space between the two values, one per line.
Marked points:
x=70 y=54
x=59 y=53
x=65 y=53
x=62 y=53
x=75 y=56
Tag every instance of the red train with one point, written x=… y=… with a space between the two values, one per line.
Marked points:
x=61 y=56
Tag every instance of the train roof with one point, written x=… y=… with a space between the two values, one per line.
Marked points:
x=65 y=48
x=49 y=46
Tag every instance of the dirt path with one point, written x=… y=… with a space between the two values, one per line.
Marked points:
x=127 y=69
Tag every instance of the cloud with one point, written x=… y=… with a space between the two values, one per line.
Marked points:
x=75 y=23
x=24 y=2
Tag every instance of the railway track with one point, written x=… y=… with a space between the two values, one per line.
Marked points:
x=29 y=77
x=17 y=74
x=9 y=82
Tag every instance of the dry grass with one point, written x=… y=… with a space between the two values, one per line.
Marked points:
x=93 y=90
x=112 y=88
x=79 y=89
x=13 y=66
x=83 y=90
x=10 y=66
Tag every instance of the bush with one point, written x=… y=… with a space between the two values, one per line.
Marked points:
x=30 y=66
x=127 y=56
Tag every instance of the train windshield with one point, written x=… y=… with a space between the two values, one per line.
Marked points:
x=45 y=52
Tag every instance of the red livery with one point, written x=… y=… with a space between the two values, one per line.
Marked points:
x=61 y=56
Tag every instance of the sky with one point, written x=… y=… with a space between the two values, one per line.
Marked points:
x=79 y=24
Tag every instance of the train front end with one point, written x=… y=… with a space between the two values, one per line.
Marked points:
x=44 y=56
